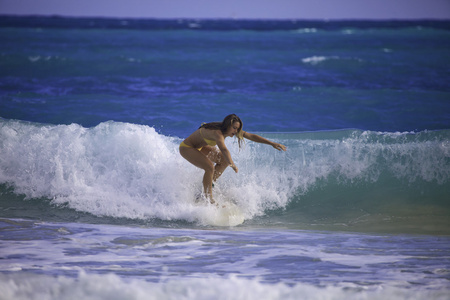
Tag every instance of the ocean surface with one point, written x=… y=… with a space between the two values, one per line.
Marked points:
x=97 y=203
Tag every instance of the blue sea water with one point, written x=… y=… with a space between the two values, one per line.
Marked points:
x=96 y=202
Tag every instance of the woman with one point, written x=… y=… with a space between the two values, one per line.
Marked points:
x=199 y=148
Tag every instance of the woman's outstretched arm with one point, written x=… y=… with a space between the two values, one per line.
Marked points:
x=259 y=139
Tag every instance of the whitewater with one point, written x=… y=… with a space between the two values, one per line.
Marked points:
x=130 y=171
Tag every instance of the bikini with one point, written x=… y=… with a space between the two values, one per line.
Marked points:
x=207 y=141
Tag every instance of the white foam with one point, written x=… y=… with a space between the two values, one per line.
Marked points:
x=114 y=169
x=112 y=287
x=34 y=58
x=314 y=60
x=306 y=30
x=125 y=170
x=131 y=171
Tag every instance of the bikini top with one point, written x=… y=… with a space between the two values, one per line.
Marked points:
x=207 y=141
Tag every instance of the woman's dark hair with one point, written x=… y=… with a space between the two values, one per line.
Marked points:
x=225 y=124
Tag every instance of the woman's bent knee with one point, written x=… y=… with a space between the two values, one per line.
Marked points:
x=209 y=168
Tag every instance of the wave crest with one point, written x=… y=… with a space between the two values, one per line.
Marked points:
x=124 y=170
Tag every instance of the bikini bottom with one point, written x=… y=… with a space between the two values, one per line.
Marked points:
x=187 y=146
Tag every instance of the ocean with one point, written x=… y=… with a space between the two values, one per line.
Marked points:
x=97 y=203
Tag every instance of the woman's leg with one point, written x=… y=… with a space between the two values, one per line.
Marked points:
x=214 y=154
x=200 y=160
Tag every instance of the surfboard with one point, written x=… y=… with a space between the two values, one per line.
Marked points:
x=230 y=215
x=225 y=214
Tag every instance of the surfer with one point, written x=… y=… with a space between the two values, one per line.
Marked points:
x=200 y=148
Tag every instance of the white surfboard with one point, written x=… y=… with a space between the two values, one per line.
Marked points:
x=225 y=213
x=230 y=215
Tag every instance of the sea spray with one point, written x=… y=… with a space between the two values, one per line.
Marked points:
x=124 y=170
x=114 y=169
